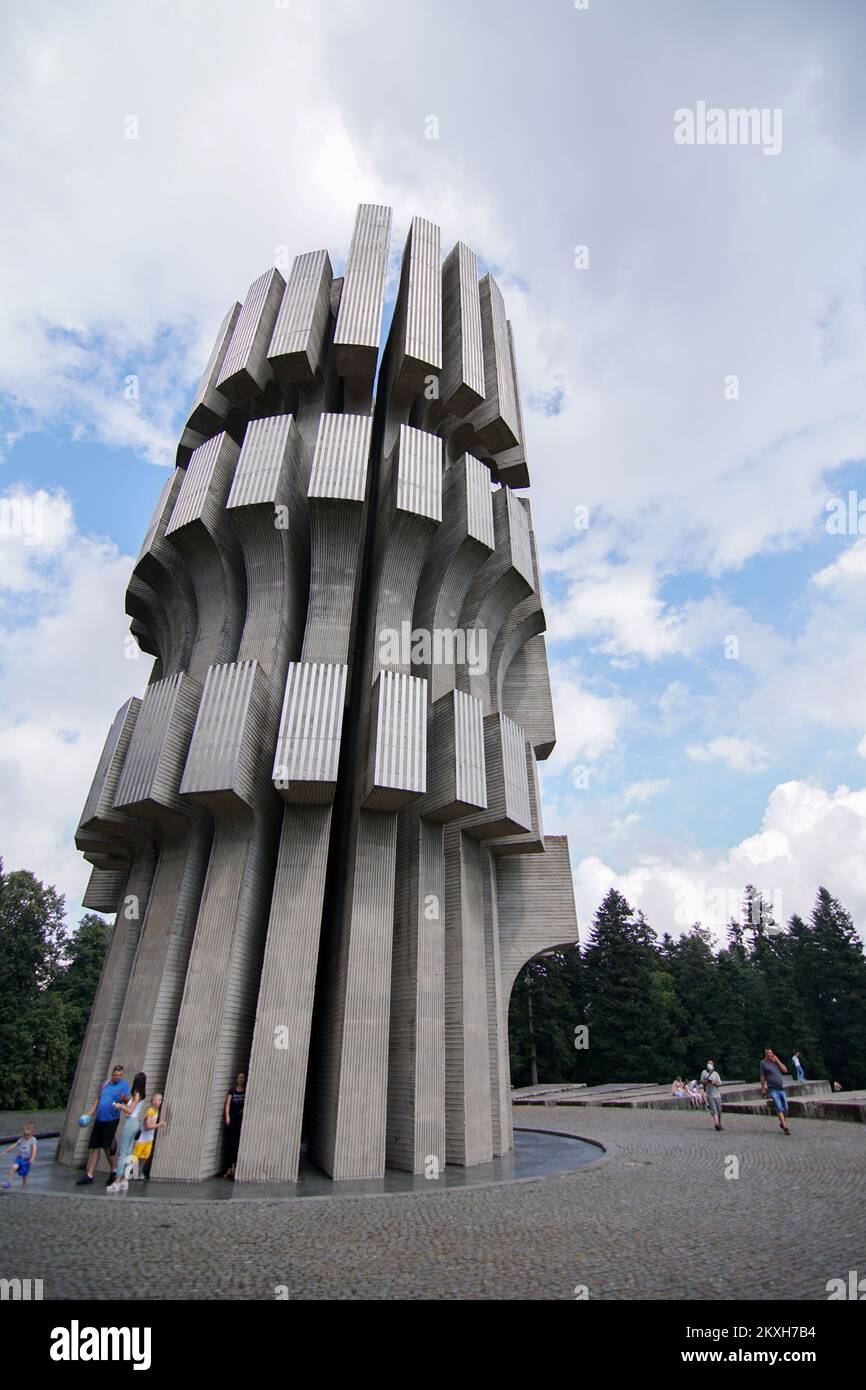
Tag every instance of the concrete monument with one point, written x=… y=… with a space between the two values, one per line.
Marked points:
x=320 y=828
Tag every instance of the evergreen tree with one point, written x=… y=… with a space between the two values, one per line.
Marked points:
x=830 y=968
x=779 y=1011
x=542 y=1019
x=693 y=972
x=620 y=998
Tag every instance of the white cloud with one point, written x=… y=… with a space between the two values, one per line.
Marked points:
x=587 y=725
x=34 y=526
x=738 y=754
x=849 y=568
x=616 y=607
x=645 y=790
x=809 y=837
x=63 y=677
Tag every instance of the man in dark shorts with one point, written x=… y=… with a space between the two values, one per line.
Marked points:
x=773 y=1081
x=113 y=1092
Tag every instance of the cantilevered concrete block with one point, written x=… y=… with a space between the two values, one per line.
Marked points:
x=509 y=809
x=510 y=465
x=337 y=491
x=101 y=825
x=359 y=322
x=339 y=470
x=299 y=335
x=417 y=328
x=210 y=407
x=496 y=419
x=224 y=753
x=398 y=754
x=457 y=777
x=308 y=747
x=461 y=384
x=150 y=779
x=245 y=369
x=104 y=891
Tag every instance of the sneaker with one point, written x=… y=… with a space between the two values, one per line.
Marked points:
x=112 y=1179
x=7 y=1185
x=84 y=1182
x=123 y=1186
x=112 y=1187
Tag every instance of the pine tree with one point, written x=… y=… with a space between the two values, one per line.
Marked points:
x=620 y=998
x=779 y=1011
x=830 y=968
x=738 y=1033
x=693 y=971
x=542 y=1019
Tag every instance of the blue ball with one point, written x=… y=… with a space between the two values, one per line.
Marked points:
x=84 y=1121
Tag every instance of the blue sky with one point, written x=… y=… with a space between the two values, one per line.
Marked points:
x=679 y=772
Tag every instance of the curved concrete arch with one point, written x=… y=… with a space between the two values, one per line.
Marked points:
x=204 y=537
x=500 y=585
x=162 y=569
x=460 y=547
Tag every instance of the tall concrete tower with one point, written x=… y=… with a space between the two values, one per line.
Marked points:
x=320 y=828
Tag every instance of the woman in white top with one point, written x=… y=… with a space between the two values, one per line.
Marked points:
x=132 y=1109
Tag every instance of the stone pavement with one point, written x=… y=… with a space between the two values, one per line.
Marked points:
x=46 y=1121
x=657 y=1219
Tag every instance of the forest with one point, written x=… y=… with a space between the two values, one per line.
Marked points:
x=653 y=1007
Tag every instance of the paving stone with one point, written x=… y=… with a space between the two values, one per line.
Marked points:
x=656 y=1220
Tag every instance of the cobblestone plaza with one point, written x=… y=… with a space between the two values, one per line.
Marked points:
x=654 y=1219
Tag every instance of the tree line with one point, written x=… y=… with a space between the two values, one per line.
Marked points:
x=656 y=1008
x=649 y=1008
x=48 y=979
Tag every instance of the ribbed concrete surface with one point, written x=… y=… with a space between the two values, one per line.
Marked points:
x=326 y=808
x=245 y=369
x=462 y=380
x=210 y=407
x=298 y=339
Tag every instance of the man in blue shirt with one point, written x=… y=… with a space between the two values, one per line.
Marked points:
x=105 y=1107
x=772 y=1080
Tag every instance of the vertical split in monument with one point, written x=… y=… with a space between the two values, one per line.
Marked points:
x=346 y=838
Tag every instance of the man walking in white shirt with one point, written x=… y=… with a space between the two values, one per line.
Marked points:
x=712 y=1084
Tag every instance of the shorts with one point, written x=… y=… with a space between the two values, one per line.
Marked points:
x=715 y=1105
x=102 y=1134
x=780 y=1100
x=22 y=1167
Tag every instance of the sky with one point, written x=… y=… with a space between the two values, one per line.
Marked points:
x=690 y=325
